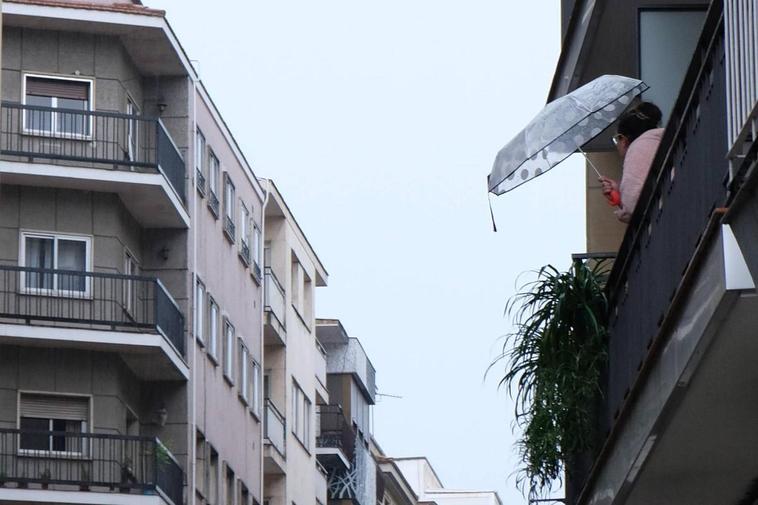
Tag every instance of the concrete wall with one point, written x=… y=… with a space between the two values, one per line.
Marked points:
x=226 y=422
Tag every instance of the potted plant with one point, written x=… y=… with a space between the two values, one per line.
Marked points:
x=554 y=361
x=85 y=478
x=45 y=478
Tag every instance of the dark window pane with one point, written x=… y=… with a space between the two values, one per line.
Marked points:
x=59 y=441
x=35 y=441
x=39 y=254
x=72 y=122
x=39 y=120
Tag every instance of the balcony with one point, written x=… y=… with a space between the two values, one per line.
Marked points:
x=674 y=423
x=274 y=305
x=132 y=315
x=86 y=468
x=132 y=156
x=335 y=443
x=275 y=436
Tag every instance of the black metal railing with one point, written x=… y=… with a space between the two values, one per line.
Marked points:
x=100 y=300
x=229 y=228
x=245 y=252
x=89 y=462
x=686 y=185
x=200 y=181
x=213 y=203
x=336 y=431
x=98 y=138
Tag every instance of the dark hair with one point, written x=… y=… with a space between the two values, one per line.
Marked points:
x=639 y=119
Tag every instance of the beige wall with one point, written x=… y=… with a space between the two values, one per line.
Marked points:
x=604 y=231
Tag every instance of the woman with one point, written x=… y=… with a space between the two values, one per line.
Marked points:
x=637 y=141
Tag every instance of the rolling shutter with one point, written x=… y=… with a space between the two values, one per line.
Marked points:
x=61 y=88
x=71 y=408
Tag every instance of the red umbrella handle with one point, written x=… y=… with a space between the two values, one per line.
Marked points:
x=614 y=199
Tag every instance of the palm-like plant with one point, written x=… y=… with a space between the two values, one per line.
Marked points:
x=554 y=360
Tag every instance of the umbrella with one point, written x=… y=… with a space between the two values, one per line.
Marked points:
x=560 y=129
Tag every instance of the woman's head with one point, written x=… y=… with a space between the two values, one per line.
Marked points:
x=634 y=122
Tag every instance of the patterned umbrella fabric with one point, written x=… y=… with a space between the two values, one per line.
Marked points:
x=562 y=127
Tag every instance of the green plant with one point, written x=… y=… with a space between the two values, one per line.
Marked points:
x=554 y=358
x=161 y=454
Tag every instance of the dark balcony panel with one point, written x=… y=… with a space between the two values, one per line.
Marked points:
x=98 y=139
x=97 y=300
x=336 y=431
x=200 y=182
x=92 y=462
x=213 y=203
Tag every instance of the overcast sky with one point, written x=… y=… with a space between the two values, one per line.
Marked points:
x=379 y=121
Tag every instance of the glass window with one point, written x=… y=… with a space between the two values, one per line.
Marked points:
x=199 y=310
x=213 y=329
x=213 y=172
x=229 y=198
x=301 y=411
x=54 y=252
x=51 y=423
x=199 y=150
x=228 y=350
x=257 y=249
x=244 y=372
x=255 y=388
x=244 y=225
x=49 y=92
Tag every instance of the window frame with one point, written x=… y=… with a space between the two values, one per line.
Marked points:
x=212 y=349
x=50 y=453
x=131 y=268
x=230 y=204
x=255 y=388
x=200 y=307
x=200 y=157
x=228 y=350
x=56 y=237
x=302 y=407
x=52 y=133
x=244 y=371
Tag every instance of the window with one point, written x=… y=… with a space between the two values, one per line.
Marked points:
x=201 y=465
x=132 y=129
x=213 y=181
x=229 y=203
x=257 y=249
x=229 y=487
x=255 y=388
x=200 y=161
x=42 y=93
x=213 y=470
x=244 y=233
x=228 y=351
x=296 y=285
x=212 y=328
x=244 y=498
x=131 y=267
x=56 y=415
x=55 y=252
x=244 y=366
x=301 y=411
x=199 y=310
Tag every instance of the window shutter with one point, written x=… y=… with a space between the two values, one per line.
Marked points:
x=60 y=88
x=71 y=408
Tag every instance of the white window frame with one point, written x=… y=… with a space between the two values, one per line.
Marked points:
x=301 y=415
x=229 y=197
x=244 y=225
x=214 y=172
x=244 y=361
x=87 y=293
x=52 y=132
x=132 y=128
x=257 y=249
x=255 y=388
x=199 y=322
x=228 y=350
x=200 y=150
x=213 y=326
x=86 y=424
x=131 y=267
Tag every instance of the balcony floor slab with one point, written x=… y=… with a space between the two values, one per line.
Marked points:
x=77 y=497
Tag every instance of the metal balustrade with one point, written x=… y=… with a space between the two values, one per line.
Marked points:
x=89 y=462
x=274 y=427
x=336 y=431
x=101 y=139
x=93 y=299
x=741 y=43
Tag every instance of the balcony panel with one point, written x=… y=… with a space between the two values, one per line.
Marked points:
x=131 y=156
x=132 y=315
x=335 y=443
x=274 y=437
x=274 y=304
x=86 y=466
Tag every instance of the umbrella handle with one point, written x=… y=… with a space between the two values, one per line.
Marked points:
x=614 y=199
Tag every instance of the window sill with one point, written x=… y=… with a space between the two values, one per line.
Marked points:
x=212 y=358
x=257 y=416
x=229 y=229
x=229 y=380
x=200 y=341
x=243 y=400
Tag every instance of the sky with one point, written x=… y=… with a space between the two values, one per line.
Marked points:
x=379 y=122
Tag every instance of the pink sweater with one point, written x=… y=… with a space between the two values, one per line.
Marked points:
x=637 y=163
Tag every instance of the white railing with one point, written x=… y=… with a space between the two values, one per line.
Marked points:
x=274 y=427
x=273 y=296
x=321 y=363
x=741 y=47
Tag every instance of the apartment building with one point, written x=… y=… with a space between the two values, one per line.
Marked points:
x=344 y=440
x=675 y=421
x=295 y=363
x=131 y=279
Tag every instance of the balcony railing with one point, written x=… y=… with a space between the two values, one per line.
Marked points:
x=89 y=462
x=105 y=139
x=741 y=25
x=336 y=431
x=275 y=427
x=676 y=210
x=274 y=298
x=98 y=300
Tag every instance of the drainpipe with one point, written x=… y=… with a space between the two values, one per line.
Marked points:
x=263 y=329
x=193 y=368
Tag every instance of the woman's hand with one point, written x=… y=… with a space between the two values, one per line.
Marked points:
x=610 y=190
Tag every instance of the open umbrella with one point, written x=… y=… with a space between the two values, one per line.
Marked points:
x=560 y=129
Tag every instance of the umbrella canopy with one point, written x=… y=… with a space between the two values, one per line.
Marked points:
x=562 y=127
